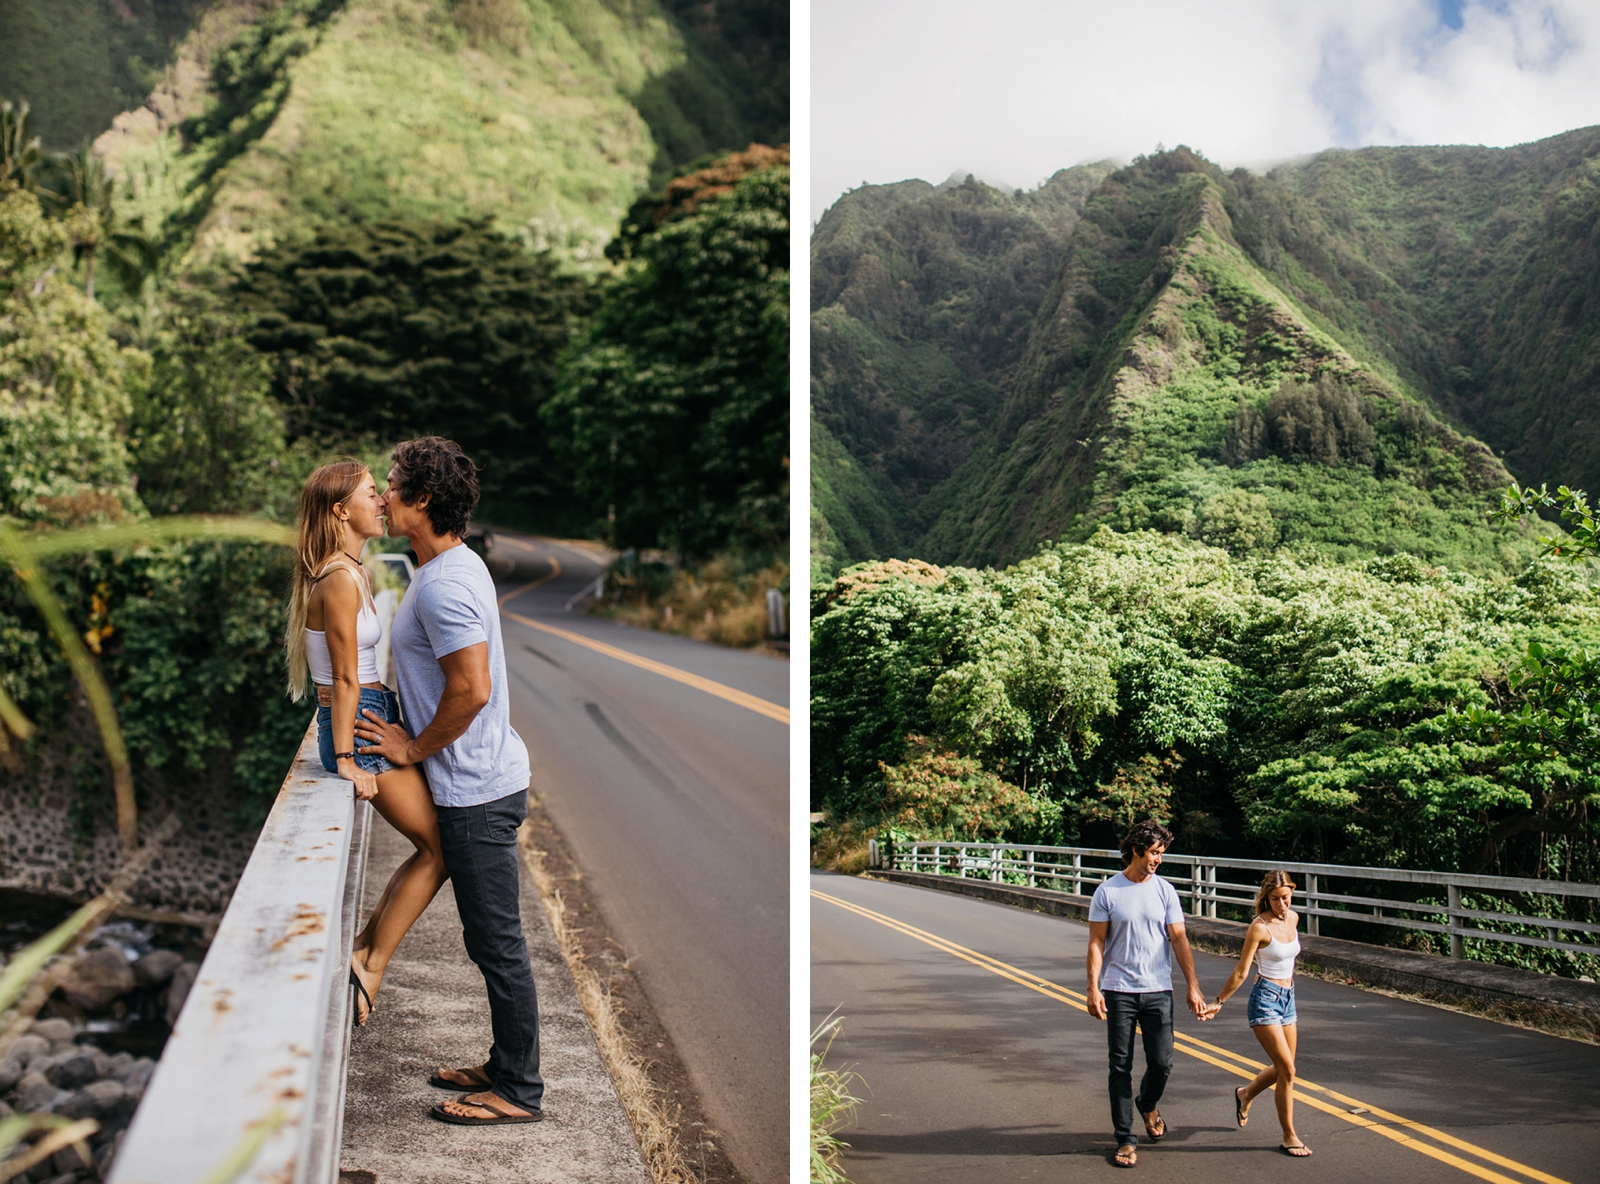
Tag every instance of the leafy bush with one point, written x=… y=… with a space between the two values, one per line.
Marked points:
x=935 y=794
x=672 y=407
x=416 y=328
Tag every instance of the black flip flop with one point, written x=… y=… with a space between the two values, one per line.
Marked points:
x=502 y=1118
x=480 y=1082
x=355 y=981
x=1238 y=1108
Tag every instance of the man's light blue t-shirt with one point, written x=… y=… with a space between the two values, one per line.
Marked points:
x=1138 y=956
x=449 y=606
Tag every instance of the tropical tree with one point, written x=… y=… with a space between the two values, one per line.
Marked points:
x=672 y=407
x=20 y=154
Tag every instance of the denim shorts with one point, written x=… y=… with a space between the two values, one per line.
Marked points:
x=1270 y=1005
x=382 y=703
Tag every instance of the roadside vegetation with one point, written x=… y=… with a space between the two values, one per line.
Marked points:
x=1378 y=712
x=143 y=377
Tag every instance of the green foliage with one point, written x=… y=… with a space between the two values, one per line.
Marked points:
x=65 y=384
x=672 y=402
x=935 y=794
x=205 y=433
x=81 y=62
x=405 y=329
x=1135 y=793
x=1306 y=704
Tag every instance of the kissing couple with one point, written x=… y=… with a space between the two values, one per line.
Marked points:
x=437 y=756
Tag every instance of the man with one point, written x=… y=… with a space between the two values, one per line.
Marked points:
x=450 y=668
x=1135 y=923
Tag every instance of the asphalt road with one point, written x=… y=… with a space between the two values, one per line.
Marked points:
x=669 y=782
x=967 y=1074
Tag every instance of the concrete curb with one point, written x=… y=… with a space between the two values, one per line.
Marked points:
x=1561 y=1006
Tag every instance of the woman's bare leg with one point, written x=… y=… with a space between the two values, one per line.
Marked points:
x=404 y=801
x=1280 y=1043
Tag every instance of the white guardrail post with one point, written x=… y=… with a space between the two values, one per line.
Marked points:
x=1458 y=944
x=265 y=1033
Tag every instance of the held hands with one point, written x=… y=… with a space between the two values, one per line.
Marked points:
x=383 y=738
x=1197 y=1004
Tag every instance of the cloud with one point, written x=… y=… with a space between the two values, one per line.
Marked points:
x=1020 y=88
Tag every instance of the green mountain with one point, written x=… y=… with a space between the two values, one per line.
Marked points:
x=1335 y=356
x=240 y=123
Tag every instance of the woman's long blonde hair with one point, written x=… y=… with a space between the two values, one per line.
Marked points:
x=1270 y=883
x=318 y=538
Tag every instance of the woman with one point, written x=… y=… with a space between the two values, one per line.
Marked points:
x=1273 y=942
x=332 y=641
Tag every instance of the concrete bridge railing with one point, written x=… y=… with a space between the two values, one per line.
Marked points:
x=255 y=1068
x=1064 y=868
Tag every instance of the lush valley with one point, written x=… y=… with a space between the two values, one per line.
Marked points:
x=1232 y=443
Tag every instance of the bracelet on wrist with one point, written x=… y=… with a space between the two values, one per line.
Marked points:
x=339 y=756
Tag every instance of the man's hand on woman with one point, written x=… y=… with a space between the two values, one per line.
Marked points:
x=383 y=738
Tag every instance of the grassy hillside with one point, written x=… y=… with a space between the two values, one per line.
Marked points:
x=82 y=62
x=247 y=121
x=1254 y=362
x=921 y=298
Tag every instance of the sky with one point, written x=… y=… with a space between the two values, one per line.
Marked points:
x=1012 y=90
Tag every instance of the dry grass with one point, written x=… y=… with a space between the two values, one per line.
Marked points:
x=656 y=1132
x=841 y=847
x=712 y=604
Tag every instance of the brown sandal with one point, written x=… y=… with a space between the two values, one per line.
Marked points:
x=1154 y=1125
x=477 y=1081
x=501 y=1117
x=1126 y=1156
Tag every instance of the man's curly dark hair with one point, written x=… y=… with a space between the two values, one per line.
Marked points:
x=433 y=467
x=1142 y=837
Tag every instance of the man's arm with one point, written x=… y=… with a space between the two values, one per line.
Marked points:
x=1179 y=937
x=1097 y=954
x=466 y=691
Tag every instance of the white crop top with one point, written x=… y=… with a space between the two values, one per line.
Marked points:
x=369 y=630
x=1276 y=958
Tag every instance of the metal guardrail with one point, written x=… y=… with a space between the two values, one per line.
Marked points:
x=1056 y=867
x=264 y=1036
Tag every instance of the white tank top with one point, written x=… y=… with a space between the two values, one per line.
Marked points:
x=1276 y=958
x=368 y=632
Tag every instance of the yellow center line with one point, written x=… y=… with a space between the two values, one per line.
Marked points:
x=751 y=702
x=555 y=570
x=1073 y=999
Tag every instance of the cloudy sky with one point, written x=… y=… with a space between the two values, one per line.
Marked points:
x=1014 y=89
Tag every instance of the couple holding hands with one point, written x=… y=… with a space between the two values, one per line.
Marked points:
x=1135 y=926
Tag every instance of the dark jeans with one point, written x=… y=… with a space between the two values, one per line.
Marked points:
x=480 y=853
x=1151 y=1012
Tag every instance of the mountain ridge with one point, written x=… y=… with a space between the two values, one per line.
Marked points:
x=1184 y=298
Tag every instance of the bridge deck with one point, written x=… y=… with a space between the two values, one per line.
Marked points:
x=433 y=1011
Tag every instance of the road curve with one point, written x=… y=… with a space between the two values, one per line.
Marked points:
x=977 y=1062
x=665 y=765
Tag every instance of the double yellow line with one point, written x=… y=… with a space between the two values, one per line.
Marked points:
x=1351 y=1110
